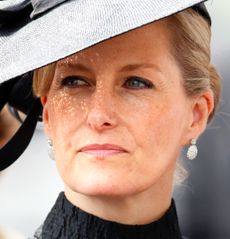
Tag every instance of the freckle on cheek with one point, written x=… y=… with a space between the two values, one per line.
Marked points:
x=84 y=108
x=68 y=110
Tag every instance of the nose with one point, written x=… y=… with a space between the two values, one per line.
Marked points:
x=102 y=113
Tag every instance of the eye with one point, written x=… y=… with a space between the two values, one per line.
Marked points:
x=135 y=82
x=74 y=81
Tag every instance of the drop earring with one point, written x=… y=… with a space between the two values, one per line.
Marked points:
x=192 y=150
x=50 y=148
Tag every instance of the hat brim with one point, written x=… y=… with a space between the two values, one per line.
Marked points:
x=74 y=26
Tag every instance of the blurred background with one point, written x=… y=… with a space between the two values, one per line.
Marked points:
x=29 y=188
x=203 y=200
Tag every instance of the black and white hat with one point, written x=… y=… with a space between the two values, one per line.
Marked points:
x=34 y=33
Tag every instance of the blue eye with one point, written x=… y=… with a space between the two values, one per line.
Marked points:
x=74 y=81
x=136 y=82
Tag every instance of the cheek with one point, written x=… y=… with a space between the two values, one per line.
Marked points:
x=160 y=127
x=66 y=114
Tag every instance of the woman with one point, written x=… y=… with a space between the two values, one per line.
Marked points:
x=118 y=112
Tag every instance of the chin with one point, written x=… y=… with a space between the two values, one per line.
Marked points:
x=113 y=177
x=103 y=186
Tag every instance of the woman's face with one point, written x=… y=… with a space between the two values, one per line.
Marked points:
x=118 y=115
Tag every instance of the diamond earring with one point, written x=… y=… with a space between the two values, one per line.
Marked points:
x=192 y=150
x=50 y=148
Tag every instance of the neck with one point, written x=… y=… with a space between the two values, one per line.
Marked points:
x=138 y=209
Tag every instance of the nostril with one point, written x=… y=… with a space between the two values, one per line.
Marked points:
x=107 y=124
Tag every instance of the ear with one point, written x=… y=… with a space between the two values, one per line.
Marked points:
x=202 y=106
x=45 y=117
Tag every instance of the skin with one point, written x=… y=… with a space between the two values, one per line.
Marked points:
x=107 y=104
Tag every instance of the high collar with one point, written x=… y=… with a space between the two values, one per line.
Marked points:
x=67 y=221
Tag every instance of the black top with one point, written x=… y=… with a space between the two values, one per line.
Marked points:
x=66 y=221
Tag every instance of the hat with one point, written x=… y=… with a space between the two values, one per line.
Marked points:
x=34 y=33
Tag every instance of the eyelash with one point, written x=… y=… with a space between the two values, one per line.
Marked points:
x=71 y=82
x=146 y=84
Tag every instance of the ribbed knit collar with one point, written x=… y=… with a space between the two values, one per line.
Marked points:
x=66 y=221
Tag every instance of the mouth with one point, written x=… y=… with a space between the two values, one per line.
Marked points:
x=102 y=150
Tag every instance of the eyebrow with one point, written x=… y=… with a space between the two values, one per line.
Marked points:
x=133 y=67
x=130 y=67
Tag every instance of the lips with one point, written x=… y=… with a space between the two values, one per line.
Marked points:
x=102 y=150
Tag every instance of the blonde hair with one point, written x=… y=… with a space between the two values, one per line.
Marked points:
x=191 y=48
x=42 y=79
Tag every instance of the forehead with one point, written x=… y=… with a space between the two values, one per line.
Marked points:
x=146 y=41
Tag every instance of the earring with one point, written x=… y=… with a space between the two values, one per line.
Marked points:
x=192 y=150
x=50 y=148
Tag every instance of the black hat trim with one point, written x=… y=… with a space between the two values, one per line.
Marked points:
x=202 y=10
